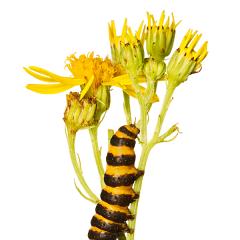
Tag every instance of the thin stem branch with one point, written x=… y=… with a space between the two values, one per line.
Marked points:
x=127 y=108
x=143 y=123
x=82 y=194
x=71 y=144
x=97 y=153
x=165 y=106
x=168 y=133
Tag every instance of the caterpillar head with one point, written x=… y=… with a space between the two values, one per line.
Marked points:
x=133 y=129
x=130 y=130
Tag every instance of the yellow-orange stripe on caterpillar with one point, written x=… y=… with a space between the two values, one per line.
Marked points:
x=112 y=211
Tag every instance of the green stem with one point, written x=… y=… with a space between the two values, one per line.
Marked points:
x=165 y=106
x=71 y=144
x=146 y=150
x=97 y=153
x=122 y=237
x=143 y=123
x=137 y=188
x=127 y=107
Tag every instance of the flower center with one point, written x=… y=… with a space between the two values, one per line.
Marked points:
x=88 y=66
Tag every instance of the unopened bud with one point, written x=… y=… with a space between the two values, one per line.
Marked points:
x=132 y=57
x=154 y=70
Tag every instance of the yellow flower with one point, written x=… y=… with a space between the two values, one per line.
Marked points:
x=188 y=44
x=127 y=48
x=186 y=60
x=126 y=37
x=89 y=71
x=160 y=36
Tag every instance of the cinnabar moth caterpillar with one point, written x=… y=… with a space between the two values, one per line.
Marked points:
x=112 y=210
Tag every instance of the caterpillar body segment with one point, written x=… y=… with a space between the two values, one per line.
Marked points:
x=112 y=211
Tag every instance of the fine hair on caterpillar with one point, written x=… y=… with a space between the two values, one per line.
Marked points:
x=112 y=212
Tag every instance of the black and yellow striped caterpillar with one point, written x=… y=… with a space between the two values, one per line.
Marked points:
x=112 y=210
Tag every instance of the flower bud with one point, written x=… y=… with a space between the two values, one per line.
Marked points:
x=179 y=68
x=126 y=41
x=160 y=37
x=154 y=70
x=185 y=59
x=79 y=113
x=132 y=57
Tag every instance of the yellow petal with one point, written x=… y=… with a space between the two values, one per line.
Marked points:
x=54 y=77
x=39 y=76
x=86 y=87
x=166 y=25
x=125 y=80
x=143 y=35
x=131 y=36
x=130 y=91
x=149 y=21
x=124 y=30
x=201 y=51
x=110 y=34
x=48 y=88
x=139 y=31
x=161 y=20
x=113 y=28
x=173 y=22
x=187 y=39
x=193 y=43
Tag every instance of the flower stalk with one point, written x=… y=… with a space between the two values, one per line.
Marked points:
x=77 y=167
x=146 y=148
x=93 y=132
x=127 y=108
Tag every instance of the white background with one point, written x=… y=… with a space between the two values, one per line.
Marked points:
x=191 y=188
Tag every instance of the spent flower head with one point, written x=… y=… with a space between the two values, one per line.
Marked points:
x=79 y=113
x=186 y=60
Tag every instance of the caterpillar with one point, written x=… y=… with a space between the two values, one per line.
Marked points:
x=112 y=212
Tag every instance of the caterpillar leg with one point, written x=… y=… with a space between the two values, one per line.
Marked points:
x=139 y=173
x=131 y=231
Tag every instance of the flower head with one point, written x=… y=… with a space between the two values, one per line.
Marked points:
x=126 y=37
x=127 y=48
x=186 y=60
x=89 y=72
x=160 y=36
x=95 y=70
